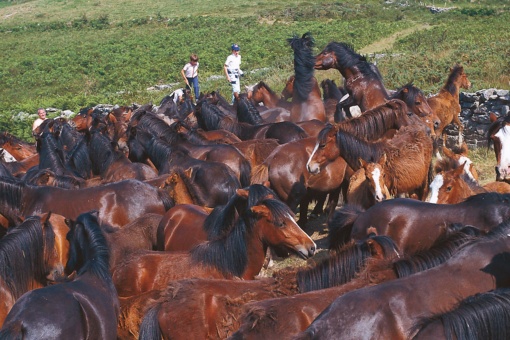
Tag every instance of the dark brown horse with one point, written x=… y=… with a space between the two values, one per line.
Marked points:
x=416 y=225
x=393 y=307
x=406 y=157
x=363 y=83
x=446 y=104
x=32 y=255
x=306 y=101
x=89 y=300
x=239 y=253
x=118 y=203
x=498 y=136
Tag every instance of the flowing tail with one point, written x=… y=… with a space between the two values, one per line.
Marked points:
x=340 y=226
x=149 y=328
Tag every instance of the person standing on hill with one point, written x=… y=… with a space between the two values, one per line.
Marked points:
x=233 y=71
x=190 y=74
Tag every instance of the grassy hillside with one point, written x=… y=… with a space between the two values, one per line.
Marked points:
x=73 y=53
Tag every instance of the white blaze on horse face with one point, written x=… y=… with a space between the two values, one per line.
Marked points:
x=6 y=156
x=504 y=159
x=467 y=167
x=314 y=168
x=436 y=184
x=376 y=175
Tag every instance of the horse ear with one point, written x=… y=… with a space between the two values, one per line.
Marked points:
x=383 y=159
x=260 y=210
x=188 y=172
x=362 y=162
x=242 y=193
x=493 y=117
x=458 y=171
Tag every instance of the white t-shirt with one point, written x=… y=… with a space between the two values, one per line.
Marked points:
x=233 y=63
x=190 y=71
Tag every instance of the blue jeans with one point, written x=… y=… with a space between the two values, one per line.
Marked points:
x=194 y=83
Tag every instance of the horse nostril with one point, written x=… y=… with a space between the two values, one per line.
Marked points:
x=436 y=124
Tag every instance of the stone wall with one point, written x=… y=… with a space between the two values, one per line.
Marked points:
x=475 y=115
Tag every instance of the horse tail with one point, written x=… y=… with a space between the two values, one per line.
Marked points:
x=12 y=331
x=167 y=200
x=149 y=328
x=245 y=175
x=260 y=174
x=340 y=225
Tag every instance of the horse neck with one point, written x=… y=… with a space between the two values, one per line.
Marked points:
x=13 y=200
x=256 y=251
x=270 y=99
x=356 y=148
x=49 y=158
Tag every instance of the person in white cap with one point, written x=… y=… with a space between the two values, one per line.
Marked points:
x=233 y=71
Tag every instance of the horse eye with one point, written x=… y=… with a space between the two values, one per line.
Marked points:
x=448 y=189
x=409 y=114
x=417 y=103
x=321 y=146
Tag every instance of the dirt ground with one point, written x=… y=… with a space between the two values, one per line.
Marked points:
x=318 y=231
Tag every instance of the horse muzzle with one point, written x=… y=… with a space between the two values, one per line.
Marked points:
x=306 y=251
x=313 y=168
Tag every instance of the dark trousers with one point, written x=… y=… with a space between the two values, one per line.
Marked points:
x=194 y=82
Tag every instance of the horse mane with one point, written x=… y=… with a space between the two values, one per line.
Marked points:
x=441 y=250
x=376 y=122
x=247 y=112
x=78 y=159
x=340 y=225
x=330 y=90
x=480 y=316
x=11 y=196
x=358 y=148
x=407 y=94
x=264 y=85
x=6 y=136
x=102 y=153
x=88 y=249
x=450 y=86
x=222 y=219
x=343 y=265
x=346 y=57
x=502 y=229
x=22 y=256
x=304 y=62
x=495 y=126
x=50 y=155
x=229 y=253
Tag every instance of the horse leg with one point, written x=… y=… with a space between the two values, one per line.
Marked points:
x=457 y=122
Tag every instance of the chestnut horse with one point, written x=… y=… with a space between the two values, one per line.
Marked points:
x=363 y=83
x=118 y=203
x=393 y=307
x=18 y=148
x=186 y=225
x=406 y=157
x=446 y=104
x=306 y=101
x=367 y=185
x=498 y=135
x=32 y=255
x=416 y=225
x=89 y=300
x=453 y=186
x=239 y=253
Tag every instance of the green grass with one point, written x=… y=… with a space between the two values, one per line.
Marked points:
x=70 y=54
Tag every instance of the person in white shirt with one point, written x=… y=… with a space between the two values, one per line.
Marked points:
x=233 y=71
x=190 y=74
x=42 y=117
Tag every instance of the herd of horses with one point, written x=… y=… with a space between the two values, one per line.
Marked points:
x=155 y=221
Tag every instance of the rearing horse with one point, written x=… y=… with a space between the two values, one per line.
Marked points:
x=362 y=80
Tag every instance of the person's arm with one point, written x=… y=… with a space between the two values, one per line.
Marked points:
x=184 y=76
x=225 y=67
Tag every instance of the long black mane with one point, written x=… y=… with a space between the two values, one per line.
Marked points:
x=330 y=90
x=343 y=265
x=102 y=153
x=50 y=155
x=408 y=94
x=78 y=160
x=246 y=111
x=347 y=58
x=304 y=62
x=22 y=256
x=229 y=253
x=12 y=196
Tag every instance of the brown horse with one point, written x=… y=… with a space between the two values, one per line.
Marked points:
x=306 y=101
x=186 y=225
x=118 y=203
x=392 y=308
x=239 y=253
x=363 y=82
x=454 y=186
x=18 y=148
x=89 y=300
x=416 y=225
x=446 y=104
x=32 y=255
x=406 y=157
x=367 y=185
x=498 y=136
